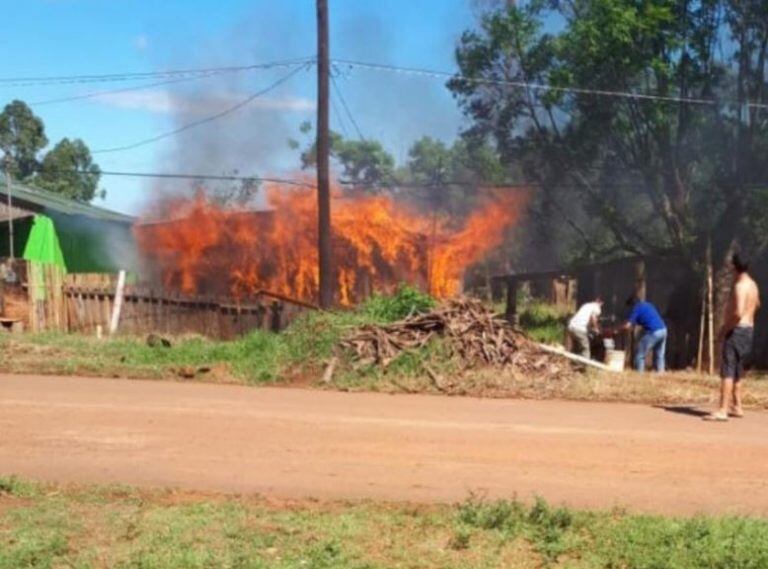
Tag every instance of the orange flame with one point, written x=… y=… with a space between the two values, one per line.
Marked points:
x=378 y=243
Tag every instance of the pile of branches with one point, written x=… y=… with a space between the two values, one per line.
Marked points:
x=475 y=338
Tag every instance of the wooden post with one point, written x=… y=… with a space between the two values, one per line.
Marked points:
x=702 y=330
x=2 y=289
x=9 y=192
x=323 y=152
x=511 y=312
x=118 y=305
x=710 y=310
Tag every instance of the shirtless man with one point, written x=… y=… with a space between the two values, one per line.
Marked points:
x=739 y=338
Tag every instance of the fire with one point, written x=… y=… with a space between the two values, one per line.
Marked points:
x=378 y=242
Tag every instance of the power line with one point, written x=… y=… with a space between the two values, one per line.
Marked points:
x=209 y=177
x=135 y=76
x=346 y=107
x=540 y=86
x=207 y=119
x=510 y=185
x=116 y=91
x=339 y=117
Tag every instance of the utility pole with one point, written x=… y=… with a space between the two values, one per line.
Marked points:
x=322 y=146
x=8 y=186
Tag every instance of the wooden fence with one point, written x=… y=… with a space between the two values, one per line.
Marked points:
x=89 y=301
x=43 y=298
x=32 y=295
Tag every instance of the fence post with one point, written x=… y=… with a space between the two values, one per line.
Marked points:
x=118 y=305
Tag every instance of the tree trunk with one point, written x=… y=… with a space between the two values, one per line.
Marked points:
x=723 y=289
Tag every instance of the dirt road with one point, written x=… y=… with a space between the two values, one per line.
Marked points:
x=297 y=443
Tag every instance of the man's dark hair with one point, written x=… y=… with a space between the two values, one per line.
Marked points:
x=740 y=263
x=632 y=300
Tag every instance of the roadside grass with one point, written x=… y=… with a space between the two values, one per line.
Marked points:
x=45 y=526
x=299 y=355
x=260 y=357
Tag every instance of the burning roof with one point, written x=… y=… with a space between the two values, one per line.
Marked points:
x=378 y=242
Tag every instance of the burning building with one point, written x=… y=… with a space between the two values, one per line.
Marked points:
x=194 y=246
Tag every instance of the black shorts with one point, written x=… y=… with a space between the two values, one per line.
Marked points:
x=737 y=351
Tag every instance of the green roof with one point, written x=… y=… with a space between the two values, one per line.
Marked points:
x=52 y=202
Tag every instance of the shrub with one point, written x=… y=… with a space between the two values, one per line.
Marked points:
x=406 y=300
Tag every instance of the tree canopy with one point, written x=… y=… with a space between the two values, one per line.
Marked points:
x=22 y=137
x=66 y=169
x=627 y=174
x=62 y=168
x=448 y=176
x=364 y=163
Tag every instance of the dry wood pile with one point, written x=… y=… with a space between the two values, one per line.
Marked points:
x=475 y=338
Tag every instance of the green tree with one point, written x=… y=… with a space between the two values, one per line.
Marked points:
x=363 y=163
x=625 y=174
x=22 y=137
x=68 y=169
x=447 y=178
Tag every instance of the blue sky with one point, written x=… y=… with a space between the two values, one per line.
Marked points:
x=64 y=37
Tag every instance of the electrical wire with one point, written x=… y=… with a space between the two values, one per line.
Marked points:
x=510 y=185
x=346 y=107
x=204 y=120
x=123 y=90
x=136 y=76
x=96 y=94
x=210 y=177
x=339 y=117
x=539 y=86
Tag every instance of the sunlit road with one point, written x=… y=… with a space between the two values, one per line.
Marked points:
x=302 y=443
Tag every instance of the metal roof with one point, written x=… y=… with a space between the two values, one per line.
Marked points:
x=53 y=202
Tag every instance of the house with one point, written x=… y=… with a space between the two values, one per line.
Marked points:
x=54 y=236
x=92 y=239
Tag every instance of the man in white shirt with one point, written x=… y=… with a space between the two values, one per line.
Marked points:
x=585 y=320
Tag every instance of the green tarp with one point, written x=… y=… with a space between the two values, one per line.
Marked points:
x=43 y=243
x=84 y=245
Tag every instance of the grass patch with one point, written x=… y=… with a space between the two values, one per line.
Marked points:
x=260 y=357
x=405 y=301
x=544 y=322
x=301 y=352
x=88 y=527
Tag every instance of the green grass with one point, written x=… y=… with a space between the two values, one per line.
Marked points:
x=83 y=527
x=260 y=357
x=544 y=322
x=405 y=301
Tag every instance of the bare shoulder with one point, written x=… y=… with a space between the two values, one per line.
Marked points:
x=745 y=286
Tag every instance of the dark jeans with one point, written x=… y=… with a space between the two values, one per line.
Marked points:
x=656 y=341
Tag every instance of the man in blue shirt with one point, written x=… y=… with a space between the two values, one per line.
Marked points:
x=645 y=315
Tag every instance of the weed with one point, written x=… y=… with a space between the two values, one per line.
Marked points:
x=107 y=527
x=549 y=529
x=460 y=539
x=13 y=486
x=502 y=515
x=406 y=300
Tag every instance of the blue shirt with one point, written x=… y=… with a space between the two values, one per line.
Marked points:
x=645 y=314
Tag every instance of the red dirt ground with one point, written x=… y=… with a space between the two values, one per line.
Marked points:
x=295 y=443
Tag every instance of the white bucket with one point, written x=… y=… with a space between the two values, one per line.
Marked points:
x=614 y=359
